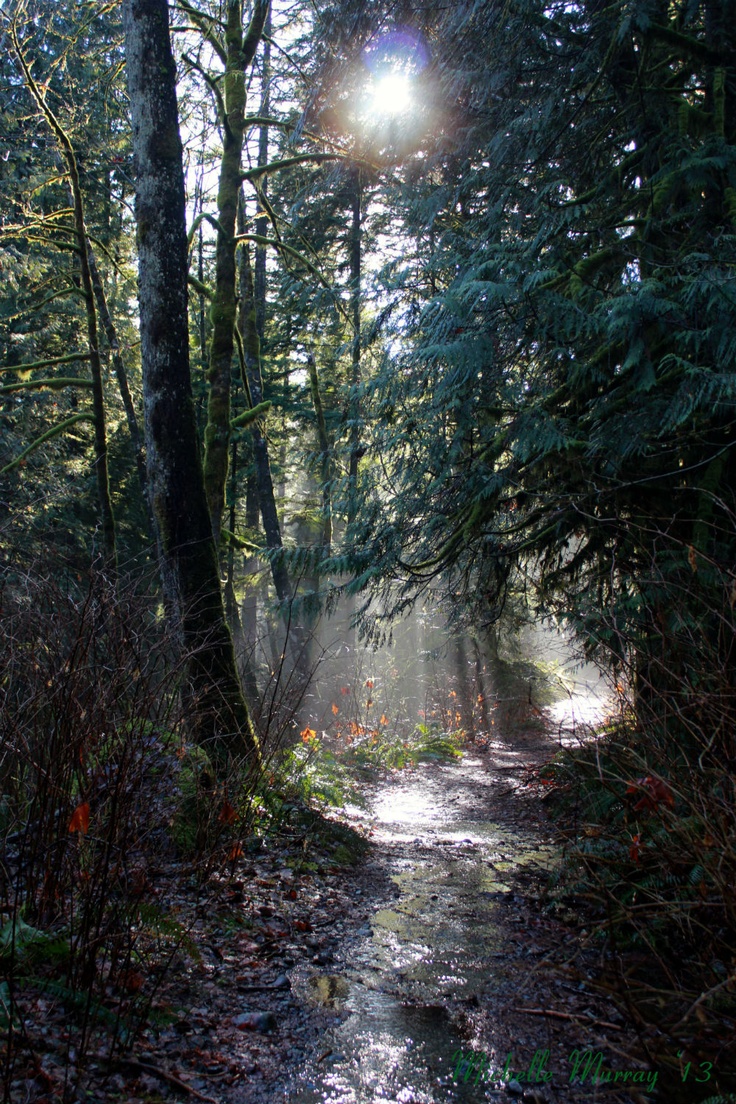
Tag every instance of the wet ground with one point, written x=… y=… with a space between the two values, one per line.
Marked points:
x=437 y=946
x=447 y=993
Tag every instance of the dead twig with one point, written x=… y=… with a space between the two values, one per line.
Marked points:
x=568 y=1016
x=703 y=996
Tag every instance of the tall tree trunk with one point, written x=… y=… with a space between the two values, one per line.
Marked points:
x=325 y=453
x=253 y=384
x=261 y=215
x=250 y=602
x=239 y=52
x=122 y=377
x=219 y=714
x=355 y=249
x=355 y=368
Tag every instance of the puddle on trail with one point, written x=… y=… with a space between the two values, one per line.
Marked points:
x=435 y=945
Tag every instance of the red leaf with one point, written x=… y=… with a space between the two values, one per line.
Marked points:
x=656 y=792
x=227 y=814
x=302 y=925
x=80 y=818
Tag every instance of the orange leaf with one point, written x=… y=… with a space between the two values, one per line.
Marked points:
x=369 y=683
x=369 y=703
x=80 y=818
x=235 y=853
x=335 y=709
x=227 y=815
x=307 y=734
x=384 y=719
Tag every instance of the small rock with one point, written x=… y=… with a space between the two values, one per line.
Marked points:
x=515 y=1089
x=255 y=1021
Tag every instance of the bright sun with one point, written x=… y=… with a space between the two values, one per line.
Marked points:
x=392 y=94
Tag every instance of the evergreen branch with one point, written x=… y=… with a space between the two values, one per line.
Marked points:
x=694 y=46
x=260 y=239
x=47 y=436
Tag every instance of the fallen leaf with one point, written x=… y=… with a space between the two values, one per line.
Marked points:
x=80 y=819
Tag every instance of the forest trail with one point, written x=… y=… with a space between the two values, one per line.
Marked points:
x=431 y=998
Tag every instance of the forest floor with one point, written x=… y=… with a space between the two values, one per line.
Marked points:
x=433 y=968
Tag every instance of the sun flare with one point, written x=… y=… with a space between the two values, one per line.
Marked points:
x=391 y=94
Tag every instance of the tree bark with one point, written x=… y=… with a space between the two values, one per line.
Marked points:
x=325 y=456
x=253 y=384
x=355 y=368
x=239 y=52
x=219 y=715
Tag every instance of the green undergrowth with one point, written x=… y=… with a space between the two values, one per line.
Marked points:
x=333 y=774
x=648 y=869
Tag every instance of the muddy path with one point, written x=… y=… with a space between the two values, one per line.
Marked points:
x=432 y=971
x=459 y=988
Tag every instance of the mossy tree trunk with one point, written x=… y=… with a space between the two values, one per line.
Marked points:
x=237 y=51
x=219 y=714
x=325 y=454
